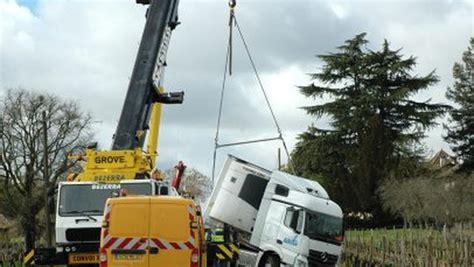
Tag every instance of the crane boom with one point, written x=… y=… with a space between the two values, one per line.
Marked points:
x=128 y=158
x=146 y=79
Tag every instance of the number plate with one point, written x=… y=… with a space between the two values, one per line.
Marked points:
x=127 y=257
x=79 y=258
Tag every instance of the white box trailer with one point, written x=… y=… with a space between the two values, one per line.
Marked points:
x=284 y=219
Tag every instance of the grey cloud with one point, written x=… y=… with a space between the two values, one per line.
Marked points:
x=85 y=50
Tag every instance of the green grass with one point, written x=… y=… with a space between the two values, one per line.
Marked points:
x=408 y=247
x=17 y=264
x=20 y=264
x=396 y=234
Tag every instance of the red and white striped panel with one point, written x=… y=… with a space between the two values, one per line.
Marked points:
x=142 y=243
x=108 y=208
x=125 y=243
x=168 y=245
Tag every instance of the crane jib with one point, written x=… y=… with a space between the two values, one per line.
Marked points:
x=147 y=75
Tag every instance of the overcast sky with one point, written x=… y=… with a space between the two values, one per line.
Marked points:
x=85 y=50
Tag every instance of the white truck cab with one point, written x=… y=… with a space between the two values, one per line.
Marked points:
x=81 y=206
x=284 y=219
x=79 y=212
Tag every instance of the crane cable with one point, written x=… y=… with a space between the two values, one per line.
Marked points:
x=228 y=67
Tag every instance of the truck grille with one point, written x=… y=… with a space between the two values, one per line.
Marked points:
x=83 y=234
x=321 y=259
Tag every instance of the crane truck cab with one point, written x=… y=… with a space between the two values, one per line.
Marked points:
x=79 y=212
x=152 y=231
x=277 y=218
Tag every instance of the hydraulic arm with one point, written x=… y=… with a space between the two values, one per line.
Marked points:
x=142 y=106
x=147 y=75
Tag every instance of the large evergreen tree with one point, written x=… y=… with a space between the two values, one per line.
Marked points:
x=461 y=131
x=374 y=120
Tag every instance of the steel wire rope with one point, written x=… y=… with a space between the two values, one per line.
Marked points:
x=221 y=102
x=262 y=88
x=257 y=75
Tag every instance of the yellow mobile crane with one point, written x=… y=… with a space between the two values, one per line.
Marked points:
x=142 y=108
x=129 y=165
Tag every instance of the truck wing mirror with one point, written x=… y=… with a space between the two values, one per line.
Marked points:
x=299 y=222
x=164 y=191
x=296 y=220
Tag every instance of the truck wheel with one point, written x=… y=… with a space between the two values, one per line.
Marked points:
x=270 y=261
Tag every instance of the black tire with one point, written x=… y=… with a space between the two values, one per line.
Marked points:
x=270 y=261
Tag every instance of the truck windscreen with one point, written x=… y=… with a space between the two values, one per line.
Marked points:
x=89 y=199
x=323 y=227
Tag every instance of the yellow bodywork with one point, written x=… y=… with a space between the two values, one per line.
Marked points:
x=115 y=165
x=154 y=132
x=112 y=166
x=151 y=218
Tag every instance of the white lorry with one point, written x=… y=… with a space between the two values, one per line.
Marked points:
x=279 y=219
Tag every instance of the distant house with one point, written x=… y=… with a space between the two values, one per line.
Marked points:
x=443 y=160
x=443 y=164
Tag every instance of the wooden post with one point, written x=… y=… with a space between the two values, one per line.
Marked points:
x=384 y=249
x=467 y=252
x=371 y=246
x=397 y=250
x=49 y=237
x=49 y=241
x=358 y=246
x=429 y=256
x=412 y=249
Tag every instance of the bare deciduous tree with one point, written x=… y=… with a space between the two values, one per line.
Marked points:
x=440 y=200
x=24 y=115
x=197 y=184
x=193 y=183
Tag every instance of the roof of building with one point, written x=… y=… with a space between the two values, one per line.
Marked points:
x=443 y=159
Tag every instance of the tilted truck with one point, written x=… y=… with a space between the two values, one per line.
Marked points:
x=276 y=218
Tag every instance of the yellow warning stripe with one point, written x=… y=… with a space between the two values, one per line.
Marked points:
x=220 y=256
x=27 y=259
x=234 y=248
x=224 y=249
